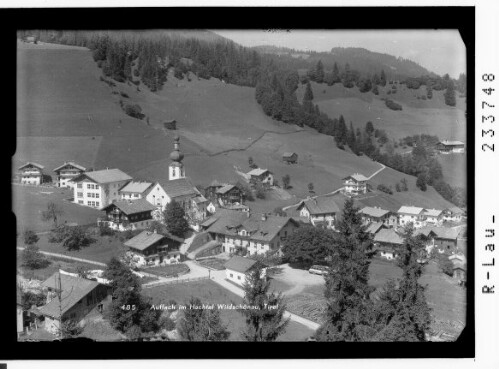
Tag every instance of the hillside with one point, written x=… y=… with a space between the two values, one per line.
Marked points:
x=65 y=107
x=363 y=60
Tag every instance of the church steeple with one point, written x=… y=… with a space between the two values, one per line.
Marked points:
x=176 y=168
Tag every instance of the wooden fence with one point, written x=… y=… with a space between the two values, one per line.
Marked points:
x=173 y=281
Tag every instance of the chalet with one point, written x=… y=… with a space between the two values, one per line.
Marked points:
x=31 y=173
x=290 y=157
x=433 y=216
x=355 y=184
x=378 y=215
x=453 y=214
x=412 y=214
x=238 y=267
x=444 y=239
x=211 y=191
x=135 y=190
x=388 y=242
x=260 y=175
x=321 y=210
x=448 y=147
x=126 y=215
x=257 y=234
x=99 y=188
x=66 y=172
x=151 y=248
x=229 y=194
x=78 y=296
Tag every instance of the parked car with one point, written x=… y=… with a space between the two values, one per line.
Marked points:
x=319 y=269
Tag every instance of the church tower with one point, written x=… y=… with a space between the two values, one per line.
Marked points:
x=176 y=168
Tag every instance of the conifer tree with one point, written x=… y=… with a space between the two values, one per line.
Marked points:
x=319 y=72
x=348 y=312
x=175 y=220
x=450 y=94
x=382 y=78
x=309 y=95
x=267 y=322
x=402 y=313
x=201 y=324
x=336 y=73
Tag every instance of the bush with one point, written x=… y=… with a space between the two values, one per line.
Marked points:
x=30 y=237
x=385 y=189
x=136 y=73
x=167 y=323
x=135 y=111
x=76 y=238
x=392 y=105
x=123 y=94
x=58 y=234
x=106 y=231
x=32 y=258
x=260 y=192
x=29 y=299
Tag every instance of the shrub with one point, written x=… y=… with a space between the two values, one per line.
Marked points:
x=30 y=237
x=76 y=238
x=106 y=231
x=29 y=299
x=58 y=234
x=167 y=323
x=136 y=73
x=32 y=258
x=123 y=94
x=385 y=189
x=392 y=105
x=135 y=111
x=137 y=82
x=260 y=192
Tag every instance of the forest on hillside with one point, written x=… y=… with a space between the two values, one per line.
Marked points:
x=148 y=56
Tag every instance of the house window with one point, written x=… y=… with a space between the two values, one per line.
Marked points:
x=79 y=185
x=79 y=194
x=135 y=195
x=80 y=202
x=97 y=203
x=238 y=277
x=96 y=187
x=231 y=275
x=97 y=195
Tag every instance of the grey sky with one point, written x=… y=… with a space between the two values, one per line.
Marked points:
x=440 y=51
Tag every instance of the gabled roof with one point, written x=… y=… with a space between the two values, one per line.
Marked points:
x=70 y=163
x=320 y=205
x=226 y=189
x=132 y=206
x=388 y=236
x=146 y=239
x=454 y=210
x=432 y=212
x=32 y=164
x=289 y=154
x=445 y=232
x=257 y=172
x=374 y=212
x=73 y=290
x=412 y=210
x=104 y=176
x=228 y=222
x=136 y=187
x=240 y=264
x=357 y=177
x=179 y=187
x=374 y=227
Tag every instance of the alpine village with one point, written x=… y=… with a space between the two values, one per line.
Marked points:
x=171 y=186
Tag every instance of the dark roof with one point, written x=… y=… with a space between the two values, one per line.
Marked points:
x=240 y=264
x=226 y=189
x=289 y=155
x=374 y=227
x=71 y=164
x=73 y=290
x=31 y=163
x=132 y=206
x=320 y=205
x=388 y=236
x=228 y=222
x=179 y=187
x=104 y=176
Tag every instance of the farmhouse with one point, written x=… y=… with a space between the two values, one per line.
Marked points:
x=433 y=216
x=355 y=184
x=229 y=194
x=319 y=210
x=453 y=214
x=66 y=172
x=257 y=234
x=183 y=192
x=442 y=238
x=31 y=173
x=151 y=248
x=387 y=242
x=290 y=157
x=411 y=214
x=260 y=175
x=448 y=147
x=78 y=296
x=126 y=215
x=237 y=268
x=378 y=215
x=211 y=191
x=100 y=188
